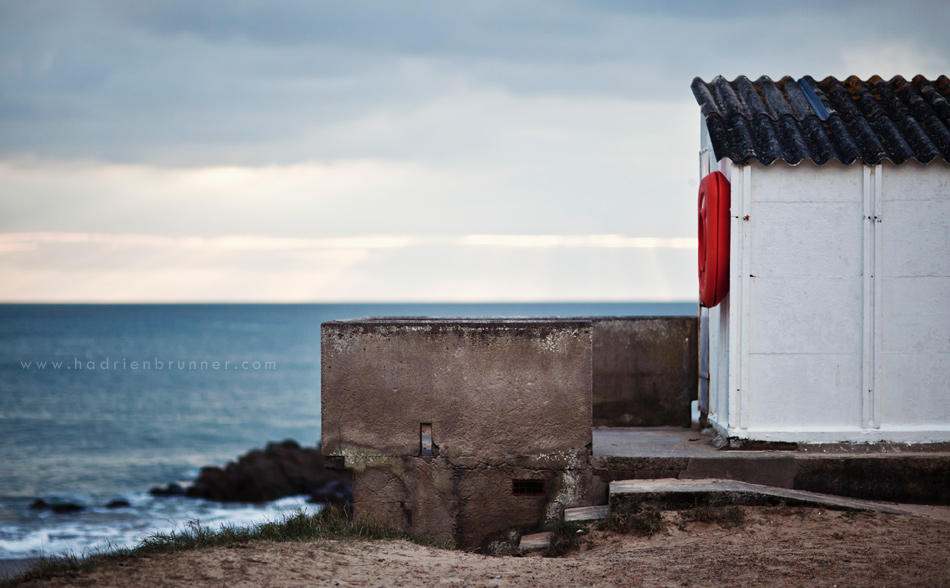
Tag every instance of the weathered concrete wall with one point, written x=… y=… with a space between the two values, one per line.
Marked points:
x=472 y=506
x=489 y=388
x=506 y=400
x=644 y=370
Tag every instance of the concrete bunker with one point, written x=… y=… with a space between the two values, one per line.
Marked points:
x=465 y=430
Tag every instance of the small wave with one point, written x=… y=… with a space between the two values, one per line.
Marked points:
x=100 y=529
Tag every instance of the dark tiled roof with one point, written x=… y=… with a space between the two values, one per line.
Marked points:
x=845 y=120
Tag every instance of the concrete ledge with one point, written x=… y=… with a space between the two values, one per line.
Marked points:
x=769 y=470
x=916 y=479
x=922 y=478
x=610 y=469
x=893 y=472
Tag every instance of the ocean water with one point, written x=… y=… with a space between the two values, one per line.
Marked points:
x=104 y=402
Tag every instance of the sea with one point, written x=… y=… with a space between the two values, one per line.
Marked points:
x=100 y=403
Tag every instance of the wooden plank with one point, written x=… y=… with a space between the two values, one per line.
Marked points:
x=535 y=542
x=738 y=492
x=587 y=513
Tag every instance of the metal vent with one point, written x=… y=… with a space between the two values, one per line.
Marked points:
x=527 y=487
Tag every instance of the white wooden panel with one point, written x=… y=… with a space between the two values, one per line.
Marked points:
x=714 y=352
x=915 y=181
x=916 y=389
x=744 y=279
x=805 y=299
x=916 y=237
x=807 y=182
x=806 y=315
x=871 y=294
x=738 y=298
x=916 y=315
x=806 y=390
x=718 y=366
x=815 y=239
x=723 y=375
x=914 y=333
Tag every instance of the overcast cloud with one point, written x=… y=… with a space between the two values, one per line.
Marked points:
x=316 y=120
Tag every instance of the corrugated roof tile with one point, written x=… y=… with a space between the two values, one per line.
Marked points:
x=871 y=120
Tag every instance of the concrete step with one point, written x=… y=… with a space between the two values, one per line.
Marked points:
x=535 y=541
x=676 y=494
x=587 y=513
x=890 y=472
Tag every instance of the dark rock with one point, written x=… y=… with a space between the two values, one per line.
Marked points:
x=169 y=490
x=334 y=492
x=279 y=470
x=118 y=503
x=57 y=507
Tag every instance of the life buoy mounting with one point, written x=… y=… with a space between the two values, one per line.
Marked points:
x=714 y=203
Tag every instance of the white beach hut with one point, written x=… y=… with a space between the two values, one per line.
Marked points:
x=836 y=324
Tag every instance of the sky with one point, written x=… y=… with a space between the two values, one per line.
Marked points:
x=375 y=151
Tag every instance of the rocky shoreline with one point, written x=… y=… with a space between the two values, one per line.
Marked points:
x=262 y=475
x=279 y=470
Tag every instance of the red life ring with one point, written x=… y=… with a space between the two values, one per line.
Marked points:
x=714 y=202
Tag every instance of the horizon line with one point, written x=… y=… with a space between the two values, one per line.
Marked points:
x=28 y=241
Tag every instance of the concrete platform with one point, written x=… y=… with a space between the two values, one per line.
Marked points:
x=891 y=472
x=689 y=442
x=651 y=442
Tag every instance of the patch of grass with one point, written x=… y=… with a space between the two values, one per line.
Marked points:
x=852 y=514
x=724 y=516
x=331 y=523
x=566 y=536
x=646 y=521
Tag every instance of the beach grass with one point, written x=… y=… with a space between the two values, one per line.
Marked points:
x=331 y=523
x=566 y=536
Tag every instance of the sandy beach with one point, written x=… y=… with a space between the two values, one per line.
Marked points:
x=773 y=547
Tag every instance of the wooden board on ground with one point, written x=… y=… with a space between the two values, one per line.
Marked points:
x=587 y=513
x=671 y=492
x=535 y=541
